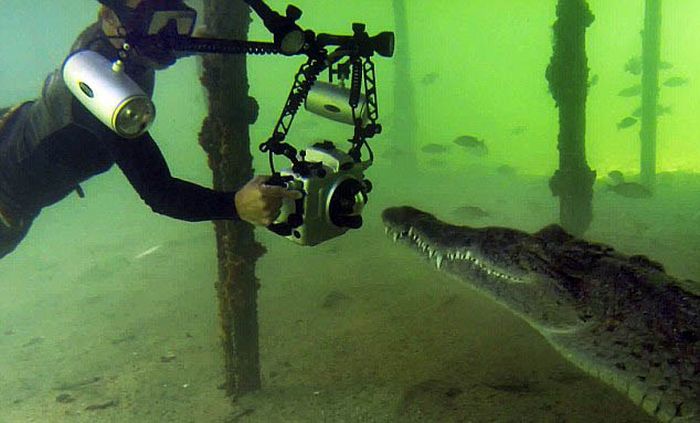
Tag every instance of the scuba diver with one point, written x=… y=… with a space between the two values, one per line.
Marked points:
x=52 y=144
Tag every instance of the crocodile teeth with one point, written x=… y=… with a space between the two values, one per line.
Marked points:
x=438 y=261
x=396 y=236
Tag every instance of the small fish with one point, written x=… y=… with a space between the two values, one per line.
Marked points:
x=167 y=358
x=663 y=110
x=518 y=130
x=616 y=176
x=472 y=144
x=660 y=111
x=676 y=81
x=471 y=212
x=430 y=78
x=630 y=190
x=70 y=386
x=334 y=299
x=65 y=398
x=632 y=91
x=102 y=405
x=34 y=341
x=626 y=123
x=433 y=148
x=594 y=81
x=639 y=226
x=147 y=252
x=466 y=140
x=393 y=152
x=435 y=163
x=634 y=65
x=506 y=170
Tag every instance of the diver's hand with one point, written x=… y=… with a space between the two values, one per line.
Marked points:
x=260 y=204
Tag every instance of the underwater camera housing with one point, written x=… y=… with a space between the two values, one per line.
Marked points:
x=334 y=194
x=332 y=181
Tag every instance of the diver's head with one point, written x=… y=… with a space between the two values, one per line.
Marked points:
x=111 y=25
x=142 y=21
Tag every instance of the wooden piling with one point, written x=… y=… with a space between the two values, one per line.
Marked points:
x=651 y=57
x=225 y=138
x=567 y=74
x=405 y=116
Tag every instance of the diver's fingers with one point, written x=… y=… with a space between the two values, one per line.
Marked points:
x=272 y=204
x=274 y=191
x=259 y=180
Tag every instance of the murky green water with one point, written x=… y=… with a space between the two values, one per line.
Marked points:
x=355 y=329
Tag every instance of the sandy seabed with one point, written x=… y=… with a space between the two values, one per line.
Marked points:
x=354 y=330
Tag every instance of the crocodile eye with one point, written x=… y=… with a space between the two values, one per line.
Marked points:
x=526 y=264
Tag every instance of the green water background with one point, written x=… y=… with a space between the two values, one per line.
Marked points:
x=490 y=57
x=75 y=276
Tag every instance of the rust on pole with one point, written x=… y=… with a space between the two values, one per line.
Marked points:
x=567 y=75
x=225 y=138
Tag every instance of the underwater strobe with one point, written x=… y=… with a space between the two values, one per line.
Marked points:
x=109 y=93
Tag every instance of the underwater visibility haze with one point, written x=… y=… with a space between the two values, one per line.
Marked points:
x=459 y=299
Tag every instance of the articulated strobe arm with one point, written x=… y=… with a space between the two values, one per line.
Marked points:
x=288 y=36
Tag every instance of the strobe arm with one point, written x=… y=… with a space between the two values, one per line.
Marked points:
x=360 y=43
x=288 y=36
x=221 y=46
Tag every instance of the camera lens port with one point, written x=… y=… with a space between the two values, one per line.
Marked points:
x=346 y=204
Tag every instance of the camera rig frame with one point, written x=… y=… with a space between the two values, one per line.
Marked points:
x=351 y=59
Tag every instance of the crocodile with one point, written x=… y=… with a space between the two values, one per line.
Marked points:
x=620 y=318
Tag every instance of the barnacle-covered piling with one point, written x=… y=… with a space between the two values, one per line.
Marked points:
x=567 y=74
x=226 y=139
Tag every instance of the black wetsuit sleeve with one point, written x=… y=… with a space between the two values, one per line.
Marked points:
x=143 y=164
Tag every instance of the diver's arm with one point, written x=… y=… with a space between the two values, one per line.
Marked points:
x=144 y=166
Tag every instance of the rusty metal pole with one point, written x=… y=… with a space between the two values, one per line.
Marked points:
x=567 y=74
x=226 y=139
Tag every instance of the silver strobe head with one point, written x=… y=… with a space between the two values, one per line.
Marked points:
x=109 y=93
x=332 y=102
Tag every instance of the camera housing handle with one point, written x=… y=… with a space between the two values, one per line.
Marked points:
x=293 y=221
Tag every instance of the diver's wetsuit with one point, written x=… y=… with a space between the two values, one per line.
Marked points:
x=49 y=146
